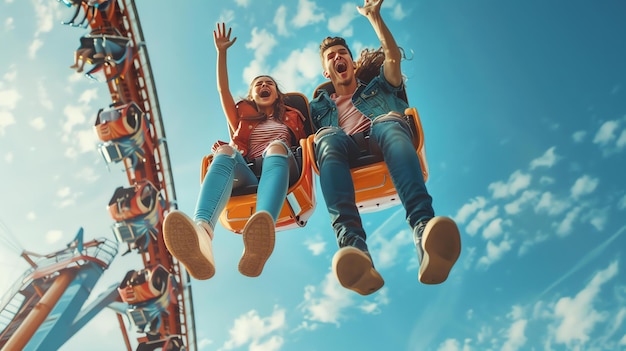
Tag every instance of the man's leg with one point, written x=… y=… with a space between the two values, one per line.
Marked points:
x=352 y=264
x=437 y=239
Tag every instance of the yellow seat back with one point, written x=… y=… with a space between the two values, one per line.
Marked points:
x=373 y=187
x=299 y=204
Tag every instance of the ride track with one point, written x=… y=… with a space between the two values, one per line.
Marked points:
x=158 y=295
x=45 y=308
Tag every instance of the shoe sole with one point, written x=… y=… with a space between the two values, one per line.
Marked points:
x=354 y=271
x=442 y=247
x=182 y=242
x=258 y=240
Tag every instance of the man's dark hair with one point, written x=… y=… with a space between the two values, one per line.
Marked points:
x=332 y=41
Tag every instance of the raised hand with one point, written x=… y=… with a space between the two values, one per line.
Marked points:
x=370 y=7
x=221 y=38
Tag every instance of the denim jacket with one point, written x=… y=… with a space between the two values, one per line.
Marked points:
x=374 y=99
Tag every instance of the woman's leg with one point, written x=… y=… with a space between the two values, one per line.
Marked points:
x=259 y=233
x=190 y=240
x=227 y=165
x=274 y=179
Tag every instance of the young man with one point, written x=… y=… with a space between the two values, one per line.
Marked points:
x=373 y=107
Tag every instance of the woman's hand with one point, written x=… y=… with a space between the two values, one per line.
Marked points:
x=221 y=38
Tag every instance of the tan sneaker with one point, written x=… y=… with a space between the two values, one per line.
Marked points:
x=438 y=245
x=190 y=243
x=258 y=240
x=354 y=269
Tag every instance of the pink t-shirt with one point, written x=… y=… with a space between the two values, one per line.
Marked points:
x=264 y=133
x=350 y=119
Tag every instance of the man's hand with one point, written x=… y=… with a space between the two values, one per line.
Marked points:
x=370 y=7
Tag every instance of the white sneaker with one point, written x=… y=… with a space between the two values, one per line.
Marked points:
x=258 y=240
x=354 y=269
x=441 y=245
x=190 y=243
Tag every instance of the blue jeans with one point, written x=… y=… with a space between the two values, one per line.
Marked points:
x=226 y=172
x=333 y=151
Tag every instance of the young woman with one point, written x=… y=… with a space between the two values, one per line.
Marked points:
x=260 y=126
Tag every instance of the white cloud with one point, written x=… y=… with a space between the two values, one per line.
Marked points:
x=10 y=76
x=86 y=140
x=517 y=181
x=280 y=20
x=75 y=116
x=316 y=246
x=6 y=119
x=387 y=250
x=34 y=47
x=494 y=229
x=495 y=252
x=8 y=157
x=468 y=209
x=545 y=180
x=598 y=217
x=341 y=22
x=516 y=206
x=328 y=307
x=8 y=24
x=31 y=216
x=262 y=43
x=251 y=328
x=227 y=16
x=373 y=307
x=274 y=343
x=44 y=13
x=516 y=337
x=565 y=227
x=38 y=123
x=307 y=14
x=550 y=204
x=66 y=197
x=9 y=98
x=450 y=345
x=242 y=3
x=203 y=343
x=44 y=100
x=87 y=174
x=606 y=133
x=53 y=236
x=584 y=185
x=88 y=95
x=399 y=12
x=579 y=136
x=577 y=316
x=64 y=192
x=548 y=159
x=70 y=152
x=296 y=72
x=482 y=217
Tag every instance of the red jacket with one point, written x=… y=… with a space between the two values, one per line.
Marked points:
x=249 y=118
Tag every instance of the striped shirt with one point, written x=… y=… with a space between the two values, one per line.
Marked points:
x=264 y=133
x=351 y=120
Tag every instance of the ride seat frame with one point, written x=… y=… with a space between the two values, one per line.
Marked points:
x=299 y=203
x=374 y=189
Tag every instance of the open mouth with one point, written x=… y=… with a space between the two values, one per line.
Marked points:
x=341 y=67
x=265 y=93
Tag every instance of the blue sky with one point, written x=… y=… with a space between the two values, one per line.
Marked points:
x=523 y=104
